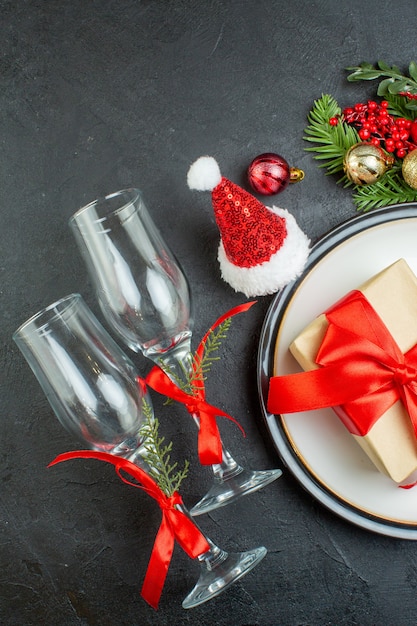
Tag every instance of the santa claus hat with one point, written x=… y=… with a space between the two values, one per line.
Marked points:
x=261 y=248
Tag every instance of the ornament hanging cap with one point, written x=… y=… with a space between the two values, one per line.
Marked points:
x=261 y=249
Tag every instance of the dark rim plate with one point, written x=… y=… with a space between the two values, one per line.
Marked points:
x=283 y=443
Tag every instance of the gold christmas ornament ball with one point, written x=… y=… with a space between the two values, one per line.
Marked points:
x=409 y=169
x=365 y=163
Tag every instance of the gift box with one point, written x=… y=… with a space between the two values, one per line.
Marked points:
x=387 y=435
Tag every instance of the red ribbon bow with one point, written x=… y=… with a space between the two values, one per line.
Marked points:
x=175 y=525
x=363 y=369
x=209 y=441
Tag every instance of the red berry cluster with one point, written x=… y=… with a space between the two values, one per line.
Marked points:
x=374 y=124
x=407 y=94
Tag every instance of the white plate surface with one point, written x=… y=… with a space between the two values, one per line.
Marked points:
x=315 y=446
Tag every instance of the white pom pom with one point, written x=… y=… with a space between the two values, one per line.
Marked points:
x=204 y=174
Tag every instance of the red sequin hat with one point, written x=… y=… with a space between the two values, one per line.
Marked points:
x=261 y=249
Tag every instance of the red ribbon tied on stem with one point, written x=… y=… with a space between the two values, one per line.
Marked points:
x=362 y=368
x=175 y=525
x=209 y=441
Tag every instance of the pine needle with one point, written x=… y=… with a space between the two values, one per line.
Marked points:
x=181 y=380
x=202 y=365
x=392 y=189
x=399 y=106
x=158 y=455
x=332 y=142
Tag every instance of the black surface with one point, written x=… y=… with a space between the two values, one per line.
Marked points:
x=99 y=95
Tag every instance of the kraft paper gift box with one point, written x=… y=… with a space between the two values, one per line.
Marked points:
x=391 y=442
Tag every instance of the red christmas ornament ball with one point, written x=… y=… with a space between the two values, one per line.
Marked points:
x=413 y=131
x=268 y=174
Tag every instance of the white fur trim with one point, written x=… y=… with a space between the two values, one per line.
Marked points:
x=204 y=174
x=270 y=276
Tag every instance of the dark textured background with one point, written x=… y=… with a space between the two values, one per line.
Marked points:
x=99 y=95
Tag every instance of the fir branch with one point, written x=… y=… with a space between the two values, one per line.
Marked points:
x=332 y=141
x=158 y=456
x=392 y=189
x=181 y=380
x=202 y=365
x=400 y=106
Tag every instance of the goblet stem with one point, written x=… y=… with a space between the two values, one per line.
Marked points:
x=231 y=480
x=145 y=298
x=219 y=569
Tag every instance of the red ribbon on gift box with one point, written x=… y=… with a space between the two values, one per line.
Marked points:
x=175 y=525
x=209 y=441
x=362 y=368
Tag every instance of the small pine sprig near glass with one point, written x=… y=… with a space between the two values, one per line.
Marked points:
x=390 y=125
x=157 y=455
x=201 y=364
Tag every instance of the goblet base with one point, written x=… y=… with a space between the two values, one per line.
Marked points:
x=227 y=490
x=214 y=581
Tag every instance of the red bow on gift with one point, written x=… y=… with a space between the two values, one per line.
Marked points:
x=209 y=441
x=362 y=368
x=175 y=525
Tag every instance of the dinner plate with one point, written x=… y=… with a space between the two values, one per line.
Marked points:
x=314 y=445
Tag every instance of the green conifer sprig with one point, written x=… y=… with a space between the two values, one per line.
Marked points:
x=202 y=365
x=181 y=380
x=332 y=142
x=158 y=455
x=191 y=379
x=400 y=106
x=392 y=189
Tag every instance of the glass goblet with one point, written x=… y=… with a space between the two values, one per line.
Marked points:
x=96 y=394
x=144 y=296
